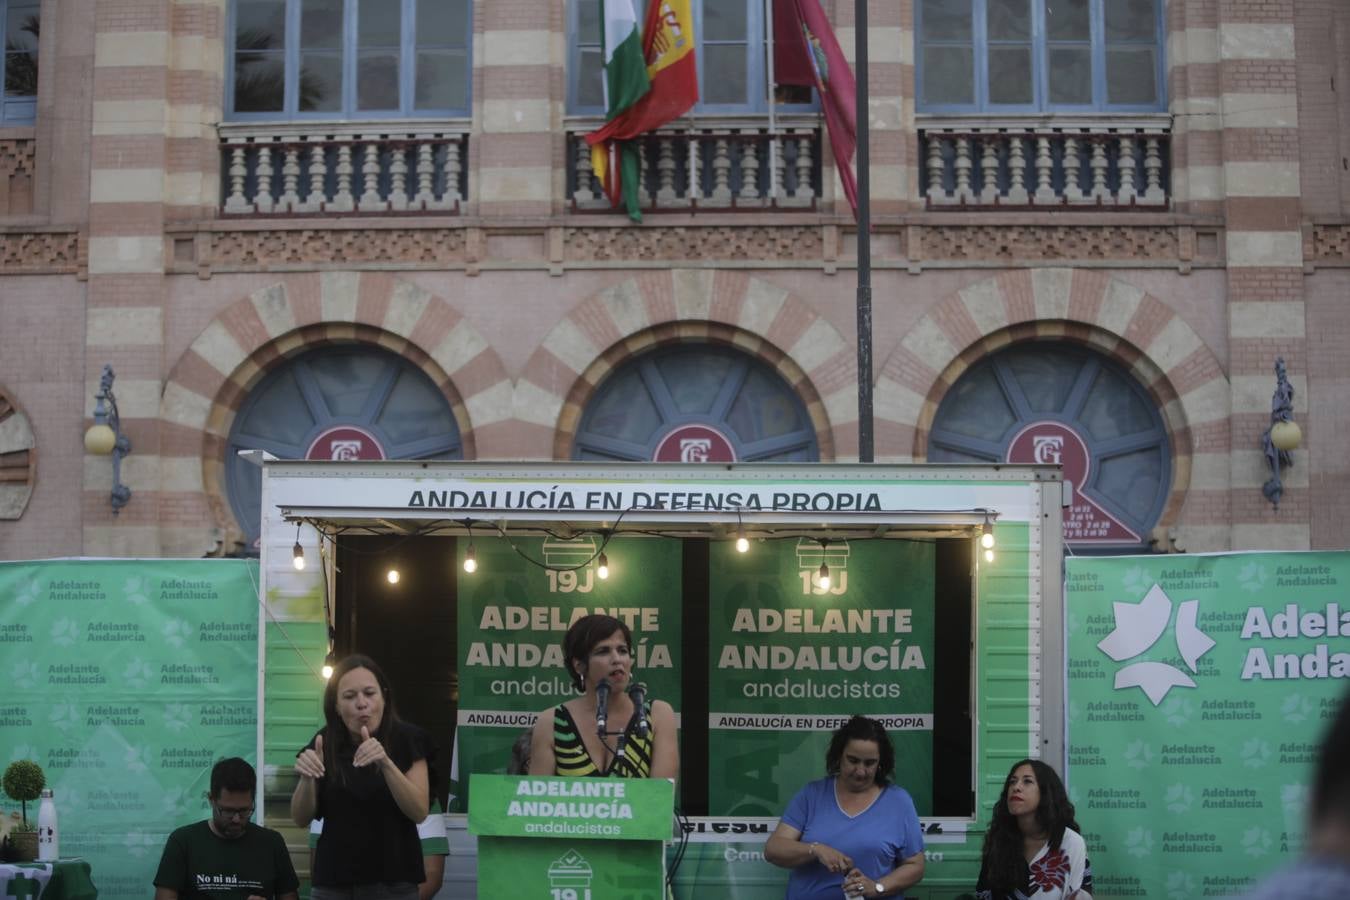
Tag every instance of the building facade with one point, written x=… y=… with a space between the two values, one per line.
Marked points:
x=360 y=229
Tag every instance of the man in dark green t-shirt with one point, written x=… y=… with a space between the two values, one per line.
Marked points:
x=227 y=857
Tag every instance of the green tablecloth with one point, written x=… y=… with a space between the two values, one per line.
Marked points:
x=65 y=879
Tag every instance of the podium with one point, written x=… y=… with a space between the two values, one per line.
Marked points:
x=558 y=838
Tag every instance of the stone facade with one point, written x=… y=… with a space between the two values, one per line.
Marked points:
x=117 y=246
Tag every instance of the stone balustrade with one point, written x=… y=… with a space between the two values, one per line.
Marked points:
x=1099 y=163
x=727 y=165
x=355 y=168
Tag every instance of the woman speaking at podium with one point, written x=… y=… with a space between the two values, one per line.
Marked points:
x=611 y=730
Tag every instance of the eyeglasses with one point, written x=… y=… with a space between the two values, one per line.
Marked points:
x=229 y=812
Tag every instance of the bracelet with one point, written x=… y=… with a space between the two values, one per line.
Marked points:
x=812 y=850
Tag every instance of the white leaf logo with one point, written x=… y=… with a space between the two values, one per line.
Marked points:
x=1256 y=841
x=1139 y=626
x=1179 y=798
x=28 y=592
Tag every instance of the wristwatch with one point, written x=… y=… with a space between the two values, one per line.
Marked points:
x=880 y=889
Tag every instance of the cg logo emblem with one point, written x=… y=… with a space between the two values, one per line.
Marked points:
x=1139 y=626
x=1047 y=449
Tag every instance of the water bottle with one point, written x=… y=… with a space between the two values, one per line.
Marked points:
x=48 y=841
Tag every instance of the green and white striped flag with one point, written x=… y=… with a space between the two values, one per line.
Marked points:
x=625 y=69
x=626 y=81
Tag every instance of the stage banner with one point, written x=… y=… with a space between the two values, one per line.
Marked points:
x=513 y=613
x=128 y=680
x=1198 y=688
x=791 y=659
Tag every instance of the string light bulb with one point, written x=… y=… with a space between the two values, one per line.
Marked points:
x=987 y=533
x=470 y=560
x=392 y=575
x=603 y=570
x=823 y=576
x=298 y=552
x=327 y=670
x=988 y=555
x=742 y=543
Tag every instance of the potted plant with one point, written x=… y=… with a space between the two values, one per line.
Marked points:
x=23 y=781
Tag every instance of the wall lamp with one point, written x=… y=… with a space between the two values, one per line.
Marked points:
x=105 y=437
x=1283 y=436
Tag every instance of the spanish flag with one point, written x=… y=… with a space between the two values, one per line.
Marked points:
x=668 y=48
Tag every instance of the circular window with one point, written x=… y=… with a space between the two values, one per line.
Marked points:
x=695 y=404
x=1056 y=403
x=337 y=404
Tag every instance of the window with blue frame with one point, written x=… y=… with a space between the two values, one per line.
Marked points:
x=1025 y=56
x=19 y=28
x=733 y=60
x=348 y=59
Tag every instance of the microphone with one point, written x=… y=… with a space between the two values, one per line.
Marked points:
x=601 y=701
x=638 y=691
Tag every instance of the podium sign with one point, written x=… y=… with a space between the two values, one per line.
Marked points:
x=571 y=838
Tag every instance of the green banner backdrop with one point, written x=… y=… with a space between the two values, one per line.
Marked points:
x=128 y=680
x=1198 y=686
x=791 y=660
x=512 y=618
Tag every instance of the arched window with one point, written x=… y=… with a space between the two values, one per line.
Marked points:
x=695 y=403
x=1058 y=403
x=352 y=402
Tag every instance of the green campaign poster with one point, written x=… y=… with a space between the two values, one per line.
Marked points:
x=513 y=614
x=791 y=661
x=1198 y=688
x=571 y=838
x=129 y=679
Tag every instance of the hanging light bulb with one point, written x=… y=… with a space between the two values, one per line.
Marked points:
x=987 y=533
x=327 y=670
x=988 y=555
x=298 y=557
x=603 y=570
x=742 y=543
x=392 y=575
x=470 y=561
x=823 y=576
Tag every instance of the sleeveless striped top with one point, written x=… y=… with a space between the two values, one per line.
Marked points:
x=572 y=759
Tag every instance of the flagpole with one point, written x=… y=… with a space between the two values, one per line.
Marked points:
x=773 y=106
x=864 y=236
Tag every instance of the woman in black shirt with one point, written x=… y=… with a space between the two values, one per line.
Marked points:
x=365 y=775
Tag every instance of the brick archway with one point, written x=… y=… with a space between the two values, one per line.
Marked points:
x=1091 y=308
x=690 y=305
x=210 y=380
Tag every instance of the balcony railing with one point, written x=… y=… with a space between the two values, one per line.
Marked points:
x=725 y=166
x=354 y=168
x=995 y=165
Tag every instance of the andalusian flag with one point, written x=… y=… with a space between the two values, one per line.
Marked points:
x=669 y=80
x=625 y=83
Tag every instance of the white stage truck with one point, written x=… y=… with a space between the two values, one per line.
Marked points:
x=767 y=603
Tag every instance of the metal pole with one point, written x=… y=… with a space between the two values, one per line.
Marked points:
x=773 y=105
x=864 y=237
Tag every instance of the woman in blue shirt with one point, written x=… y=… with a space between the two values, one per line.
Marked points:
x=852 y=830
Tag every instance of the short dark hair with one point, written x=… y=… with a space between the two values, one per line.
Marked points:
x=233 y=774
x=1331 y=781
x=582 y=637
x=861 y=728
